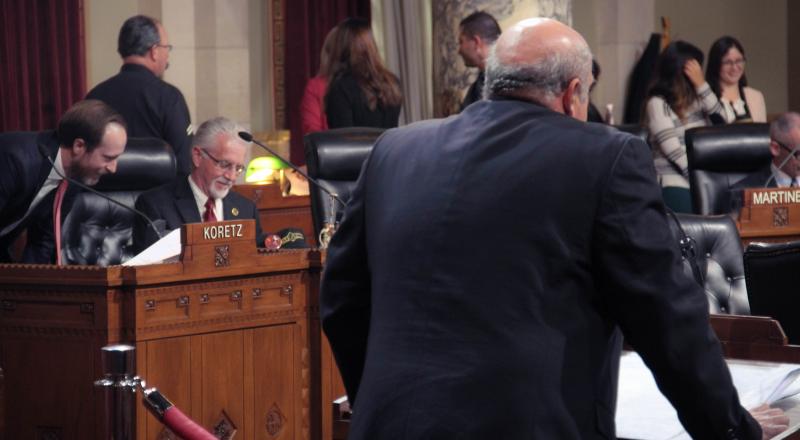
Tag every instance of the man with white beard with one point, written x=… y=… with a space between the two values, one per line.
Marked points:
x=218 y=157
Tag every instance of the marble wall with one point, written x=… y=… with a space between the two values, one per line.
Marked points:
x=450 y=77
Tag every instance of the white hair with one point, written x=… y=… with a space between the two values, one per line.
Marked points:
x=206 y=135
x=543 y=80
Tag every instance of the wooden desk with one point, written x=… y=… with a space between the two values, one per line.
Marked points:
x=769 y=215
x=277 y=212
x=226 y=336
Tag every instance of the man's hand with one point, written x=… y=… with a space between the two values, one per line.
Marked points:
x=694 y=72
x=773 y=421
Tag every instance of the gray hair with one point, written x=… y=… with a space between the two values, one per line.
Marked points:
x=543 y=80
x=780 y=129
x=137 y=35
x=206 y=135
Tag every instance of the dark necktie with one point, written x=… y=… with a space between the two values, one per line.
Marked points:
x=62 y=188
x=209 y=215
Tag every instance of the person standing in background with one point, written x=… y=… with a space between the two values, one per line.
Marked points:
x=362 y=91
x=312 y=106
x=725 y=75
x=151 y=106
x=479 y=31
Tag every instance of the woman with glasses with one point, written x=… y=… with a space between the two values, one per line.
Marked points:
x=725 y=75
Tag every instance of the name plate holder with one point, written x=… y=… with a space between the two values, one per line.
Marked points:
x=770 y=212
x=213 y=246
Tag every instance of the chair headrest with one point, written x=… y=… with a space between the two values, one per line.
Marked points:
x=146 y=163
x=338 y=154
x=735 y=148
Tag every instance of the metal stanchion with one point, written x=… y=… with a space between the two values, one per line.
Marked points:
x=119 y=381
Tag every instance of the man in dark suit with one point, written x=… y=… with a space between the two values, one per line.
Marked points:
x=151 y=106
x=487 y=262
x=478 y=32
x=90 y=138
x=205 y=195
x=784 y=170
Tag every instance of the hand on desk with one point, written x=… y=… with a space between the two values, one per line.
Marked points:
x=773 y=421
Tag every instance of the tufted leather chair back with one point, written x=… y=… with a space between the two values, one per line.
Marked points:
x=719 y=157
x=771 y=274
x=718 y=253
x=334 y=158
x=98 y=232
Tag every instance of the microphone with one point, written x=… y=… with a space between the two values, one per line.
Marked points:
x=791 y=154
x=46 y=154
x=247 y=137
x=330 y=226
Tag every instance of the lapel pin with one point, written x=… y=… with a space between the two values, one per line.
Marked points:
x=235 y=211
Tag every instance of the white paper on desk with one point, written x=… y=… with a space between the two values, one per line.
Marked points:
x=167 y=248
x=644 y=413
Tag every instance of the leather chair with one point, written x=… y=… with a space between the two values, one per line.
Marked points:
x=719 y=157
x=771 y=276
x=334 y=158
x=98 y=232
x=718 y=254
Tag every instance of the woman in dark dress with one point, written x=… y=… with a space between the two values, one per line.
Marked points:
x=362 y=91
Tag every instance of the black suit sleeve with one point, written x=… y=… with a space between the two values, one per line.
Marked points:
x=176 y=124
x=339 y=106
x=662 y=312
x=345 y=296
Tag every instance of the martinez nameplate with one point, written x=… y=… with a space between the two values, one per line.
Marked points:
x=778 y=196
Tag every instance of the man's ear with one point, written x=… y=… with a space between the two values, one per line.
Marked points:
x=78 y=147
x=571 y=97
x=774 y=148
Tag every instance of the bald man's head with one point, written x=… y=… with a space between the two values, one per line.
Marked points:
x=543 y=61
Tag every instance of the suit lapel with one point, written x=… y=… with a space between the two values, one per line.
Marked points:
x=185 y=203
x=230 y=210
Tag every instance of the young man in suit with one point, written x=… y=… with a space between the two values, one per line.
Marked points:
x=89 y=139
x=478 y=32
x=489 y=263
x=205 y=195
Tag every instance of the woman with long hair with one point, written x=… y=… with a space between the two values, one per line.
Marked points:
x=312 y=106
x=725 y=75
x=679 y=99
x=362 y=92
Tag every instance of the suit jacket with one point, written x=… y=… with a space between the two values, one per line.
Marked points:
x=757 y=179
x=174 y=204
x=23 y=171
x=475 y=287
x=475 y=91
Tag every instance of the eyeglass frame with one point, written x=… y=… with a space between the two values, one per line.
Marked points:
x=223 y=165
x=741 y=62
x=169 y=47
x=795 y=152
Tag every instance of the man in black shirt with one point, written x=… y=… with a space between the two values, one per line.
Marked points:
x=478 y=33
x=151 y=107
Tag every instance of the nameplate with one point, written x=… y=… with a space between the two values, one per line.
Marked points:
x=219 y=232
x=775 y=197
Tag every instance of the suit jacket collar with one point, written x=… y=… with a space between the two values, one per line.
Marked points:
x=185 y=203
x=48 y=140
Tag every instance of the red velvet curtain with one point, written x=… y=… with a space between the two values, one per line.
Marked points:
x=42 y=61
x=307 y=24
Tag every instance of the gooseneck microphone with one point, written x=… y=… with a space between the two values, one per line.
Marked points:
x=247 y=137
x=46 y=154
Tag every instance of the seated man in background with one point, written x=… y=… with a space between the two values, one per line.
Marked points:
x=784 y=170
x=33 y=193
x=205 y=195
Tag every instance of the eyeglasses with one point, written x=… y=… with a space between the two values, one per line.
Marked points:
x=224 y=165
x=738 y=63
x=793 y=152
x=165 y=46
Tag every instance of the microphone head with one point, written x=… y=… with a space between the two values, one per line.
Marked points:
x=247 y=137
